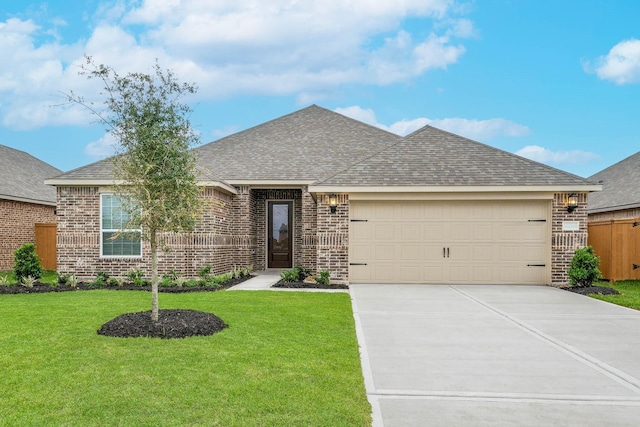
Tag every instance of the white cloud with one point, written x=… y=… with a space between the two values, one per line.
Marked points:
x=480 y=130
x=544 y=155
x=621 y=65
x=102 y=148
x=228 y=47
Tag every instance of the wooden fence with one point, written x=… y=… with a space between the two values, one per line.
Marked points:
x=46 y=245
x=617 y=243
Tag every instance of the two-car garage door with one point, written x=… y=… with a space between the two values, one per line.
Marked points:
x=484 y=242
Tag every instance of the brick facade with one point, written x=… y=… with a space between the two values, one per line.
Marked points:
x=564 y=243
x=17 y=226
x=79 y=239
x=333 y=237
x=233 y=232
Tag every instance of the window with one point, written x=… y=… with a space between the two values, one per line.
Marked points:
x=112 y=221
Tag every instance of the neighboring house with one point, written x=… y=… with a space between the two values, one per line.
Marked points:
x=24 y=200
x=614 y=219
x=318 y=189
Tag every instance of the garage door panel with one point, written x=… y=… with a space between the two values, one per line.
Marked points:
x=488 y=241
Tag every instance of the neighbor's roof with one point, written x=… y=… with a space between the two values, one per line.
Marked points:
x=620 y=186
x=433 y=157
x=22 y=177
x=309 y=144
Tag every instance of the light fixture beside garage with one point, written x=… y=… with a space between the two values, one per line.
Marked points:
x=572 y=202
x=333 y=202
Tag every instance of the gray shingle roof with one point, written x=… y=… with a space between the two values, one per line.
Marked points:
x=620 y=186
x=318 y=145
x=309 y=144
x=22 y=177
x=433 y=157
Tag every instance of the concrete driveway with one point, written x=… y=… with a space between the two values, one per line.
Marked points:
x=437 y=355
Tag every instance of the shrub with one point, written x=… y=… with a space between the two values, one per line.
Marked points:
x=204 y=273
x=290 y=275
x=27 y=262
x=324 y=277
x=62 y=279
x=115 y=281
x=72 y=281
x=135 y=277
x=303 y=273
x=28 y=281
x=102 y=279
x=584 y=267
x=4 y=280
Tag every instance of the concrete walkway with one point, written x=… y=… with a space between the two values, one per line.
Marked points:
x=265 y=279
x=496 y=356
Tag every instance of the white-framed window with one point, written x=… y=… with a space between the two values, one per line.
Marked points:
x=112 y=221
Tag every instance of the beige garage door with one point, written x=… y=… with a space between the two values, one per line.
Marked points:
x=483 y=242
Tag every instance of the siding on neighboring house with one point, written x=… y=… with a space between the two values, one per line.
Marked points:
x=17 y=226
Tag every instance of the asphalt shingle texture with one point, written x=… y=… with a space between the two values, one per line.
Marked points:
x=620 y=186
x=22 y=176
x=433 y=157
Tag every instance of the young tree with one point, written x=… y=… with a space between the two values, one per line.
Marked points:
x=154 y=168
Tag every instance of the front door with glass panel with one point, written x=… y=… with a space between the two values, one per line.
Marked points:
x=280 y=234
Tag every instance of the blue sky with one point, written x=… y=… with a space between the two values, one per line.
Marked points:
x=558 y=82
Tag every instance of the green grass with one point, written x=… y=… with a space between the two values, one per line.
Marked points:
x=629 y=293
x=287 y=359
x=49 y=276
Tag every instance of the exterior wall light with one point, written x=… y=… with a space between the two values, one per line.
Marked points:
x=572 y=202
x=333 y=202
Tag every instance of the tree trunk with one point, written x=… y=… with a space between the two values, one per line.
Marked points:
x=154 y=276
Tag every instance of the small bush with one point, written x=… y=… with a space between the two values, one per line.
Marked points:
x=62 y=279
x=290 y=275
x=4 y=280
x=204 y=273
x=303 y=273
x=28 y=281
x=102 y=278
x=115 y=281
x=324 y=277
x=584 y=268
x=26 y=262
x=135 y=277
x=72 y=281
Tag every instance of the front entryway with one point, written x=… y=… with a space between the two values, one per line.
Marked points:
x=280 y=234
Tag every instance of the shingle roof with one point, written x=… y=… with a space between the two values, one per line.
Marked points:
x=309 y=144
x=22 y=177
x=318 y=145
x=433 y=157
x=620 y=186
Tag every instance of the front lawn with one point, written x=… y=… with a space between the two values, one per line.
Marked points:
x=287 y=359
x=629 y=293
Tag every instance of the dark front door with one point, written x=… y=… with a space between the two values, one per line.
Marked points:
x=280 y=234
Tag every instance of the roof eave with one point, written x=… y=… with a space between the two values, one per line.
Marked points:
x=613 y=208
x=224 y=186
x=454 y=188
x=27 y=200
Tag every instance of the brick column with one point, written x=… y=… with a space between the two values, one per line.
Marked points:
x=309 y=230
x=333 y=237
x=565 y=243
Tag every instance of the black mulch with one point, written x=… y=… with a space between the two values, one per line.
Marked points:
x=171 y=324
x=600 y=290
x=42 y=288
x=304 y=285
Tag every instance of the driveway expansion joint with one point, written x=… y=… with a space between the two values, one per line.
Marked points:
x=615 y=374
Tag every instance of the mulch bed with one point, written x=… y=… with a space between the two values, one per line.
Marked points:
x=42 y=288
x=585 y=290
x=305 y=285
x=171 y=324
